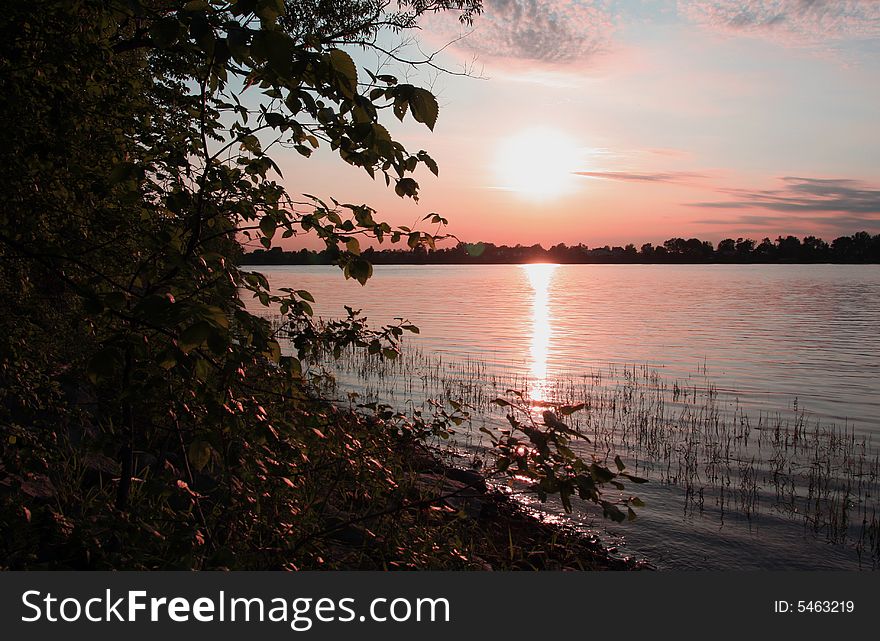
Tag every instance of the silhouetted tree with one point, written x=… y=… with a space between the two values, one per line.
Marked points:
x=744 y=248
x=815 y=249
x=788 y=249
x=727 y=248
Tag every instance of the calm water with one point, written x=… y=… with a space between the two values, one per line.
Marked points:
x=716 y=360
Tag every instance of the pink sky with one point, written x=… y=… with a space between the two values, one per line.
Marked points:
x=604 y=122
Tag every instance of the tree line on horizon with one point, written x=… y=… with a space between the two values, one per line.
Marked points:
x=860 y=247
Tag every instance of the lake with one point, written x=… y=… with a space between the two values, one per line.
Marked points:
x=747 y=394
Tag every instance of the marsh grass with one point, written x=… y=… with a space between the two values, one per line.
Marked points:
x=729 y=460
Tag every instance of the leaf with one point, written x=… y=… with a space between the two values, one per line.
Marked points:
x=202 y=369
x=586 y=486
x=612 y=512
x=619 y=463
x=400 y=106
x=200 y=454
x=431 y=164
x=600 y=474
x=568 y=410
x=291 y=365
x=552 y=422
x=268 y=226
x=274 y=119
x=270 y=9
x=565 y=497
x=216 y=316
x=360 y=270
x=424 y=107
x=166 y=359
x=279 y=49
x=407 y=187
x=353 y=246
x=380 y=132
x=344 y=66
x=274 y=351
x=193 y=336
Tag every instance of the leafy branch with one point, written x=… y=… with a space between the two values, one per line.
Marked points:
x=539 y=452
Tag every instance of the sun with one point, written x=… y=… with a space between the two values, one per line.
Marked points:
x=537 y=163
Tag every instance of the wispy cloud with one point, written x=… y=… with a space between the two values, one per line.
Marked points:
x=795 y=22
x=797 y=225
x=805 y=195
x=677 y=177
x=536 y=31
x=668 y=152
x=802 y=205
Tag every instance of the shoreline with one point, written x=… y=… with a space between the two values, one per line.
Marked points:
x=454 y=505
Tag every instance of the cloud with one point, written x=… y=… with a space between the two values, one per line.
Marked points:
x=668 y=152
x=793 y=22
x=797 y=225
x=750 y=221
x=677 y=177
x=806 y=204
x=534 y=31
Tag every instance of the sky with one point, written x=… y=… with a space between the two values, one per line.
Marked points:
x=613 y=122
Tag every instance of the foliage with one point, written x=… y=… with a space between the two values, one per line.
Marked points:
x=545 y=459
x=149 y=419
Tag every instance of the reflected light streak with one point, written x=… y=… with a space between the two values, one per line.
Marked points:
x=540 y=276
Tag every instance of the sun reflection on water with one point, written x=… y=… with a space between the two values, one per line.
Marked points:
x=540 y=277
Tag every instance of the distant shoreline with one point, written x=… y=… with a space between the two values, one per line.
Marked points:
x=251 y=263
x=859 y=249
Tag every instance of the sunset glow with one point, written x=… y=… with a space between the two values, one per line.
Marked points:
x=538 y=164
x=608 y=123
x=540 y=277
x=385 y=286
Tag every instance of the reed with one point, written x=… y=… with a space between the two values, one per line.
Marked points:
x=729 y=460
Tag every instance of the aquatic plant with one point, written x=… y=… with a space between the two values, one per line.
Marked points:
x=729 y=460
